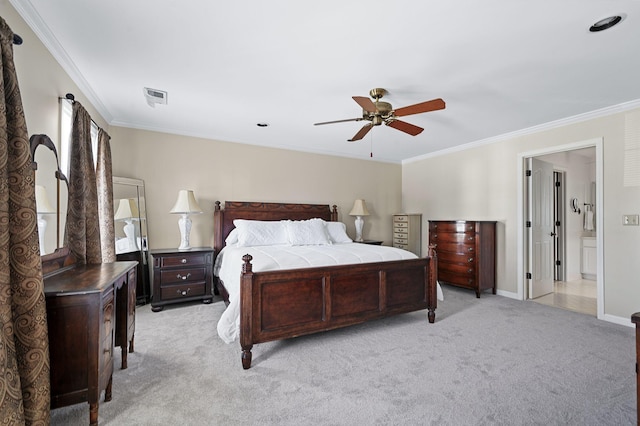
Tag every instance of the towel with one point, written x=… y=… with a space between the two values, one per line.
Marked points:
x=588 y=220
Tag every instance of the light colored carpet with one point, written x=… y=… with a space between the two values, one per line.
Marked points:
x=487 y=361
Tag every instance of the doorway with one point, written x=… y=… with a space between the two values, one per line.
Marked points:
x=564 y=265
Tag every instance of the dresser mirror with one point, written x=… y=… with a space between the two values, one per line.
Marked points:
x=52 y=193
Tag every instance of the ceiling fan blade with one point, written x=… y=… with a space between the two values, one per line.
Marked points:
x=403 y=126
x=361 y=134
x=432 y=105
x=339 y=121
x=365 y=103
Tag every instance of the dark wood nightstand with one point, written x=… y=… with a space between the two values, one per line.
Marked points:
x=372 y=242
x=181 y=276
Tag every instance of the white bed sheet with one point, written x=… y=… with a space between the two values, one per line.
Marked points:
x=228 y=267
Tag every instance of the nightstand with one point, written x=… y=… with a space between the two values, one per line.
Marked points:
x=181 y=276
x=372 y=242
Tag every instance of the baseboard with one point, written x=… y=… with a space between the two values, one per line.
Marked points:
x=509 y=294
x=618 y=320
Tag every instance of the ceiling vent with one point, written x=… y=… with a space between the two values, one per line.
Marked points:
x=155 y=96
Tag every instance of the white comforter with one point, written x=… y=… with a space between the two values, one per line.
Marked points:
x=265 y=258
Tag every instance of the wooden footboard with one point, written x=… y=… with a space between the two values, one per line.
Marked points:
x=282 y=304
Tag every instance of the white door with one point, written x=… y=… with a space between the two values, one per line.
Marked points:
x=541 y=236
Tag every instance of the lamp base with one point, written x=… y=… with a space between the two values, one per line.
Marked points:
x=184 y=223
x=359 y=225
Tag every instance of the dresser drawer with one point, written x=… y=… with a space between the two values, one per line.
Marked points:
x=400 y=235
x=452 y=237
x=401 y=218
x=186 y=259
x=172 y=276
x=456 y=268
x=459 y=248
x=180 y=291
x=400 y=245
x=400 y=225
x=460 y=280
x=461 y=259
x=397 y=240
x=452 y=227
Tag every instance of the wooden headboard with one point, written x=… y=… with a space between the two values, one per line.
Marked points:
x=223 y=219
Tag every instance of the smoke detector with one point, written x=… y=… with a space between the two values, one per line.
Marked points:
x=155 y=96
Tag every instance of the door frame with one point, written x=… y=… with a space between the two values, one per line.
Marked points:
x=596 y=143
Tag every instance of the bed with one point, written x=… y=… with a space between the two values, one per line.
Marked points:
x=285 y=303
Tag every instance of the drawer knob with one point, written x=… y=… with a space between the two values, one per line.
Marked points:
x=470 y=259
x=184 y=260
x=470 y=249
x=183 y=277
x=183 y=292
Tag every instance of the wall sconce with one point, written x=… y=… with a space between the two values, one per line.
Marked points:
x=186 y=204
x=359 y=209
x=42 y=207
x=128 y=212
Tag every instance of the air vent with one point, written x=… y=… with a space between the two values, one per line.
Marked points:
x=155 y=96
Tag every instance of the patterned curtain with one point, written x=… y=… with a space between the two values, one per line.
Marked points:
x=105 y=198
x=82 y=230
x=24 y=342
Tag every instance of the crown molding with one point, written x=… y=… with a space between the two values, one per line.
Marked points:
x=26 y=10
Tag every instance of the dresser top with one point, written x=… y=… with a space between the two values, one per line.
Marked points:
x=86 y=278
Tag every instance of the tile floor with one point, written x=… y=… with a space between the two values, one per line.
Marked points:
x=578 y=296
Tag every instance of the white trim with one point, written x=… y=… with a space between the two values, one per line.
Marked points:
x=603 y=112
x=42 y=31
x=618 y=320
x=598 y=144
x=509 y=294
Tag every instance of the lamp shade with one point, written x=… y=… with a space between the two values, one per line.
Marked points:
x=127 y=210
x=186 y=203
x=359 y=208
x=42 y=201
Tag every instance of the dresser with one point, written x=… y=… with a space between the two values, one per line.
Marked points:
x=466 y=253
x=181 y=276
x=407 y=232
x=87 y=307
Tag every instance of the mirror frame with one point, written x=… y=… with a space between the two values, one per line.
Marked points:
x=34 y=142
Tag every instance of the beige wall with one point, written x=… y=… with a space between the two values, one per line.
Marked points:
x=482 y=183
x=235 y=172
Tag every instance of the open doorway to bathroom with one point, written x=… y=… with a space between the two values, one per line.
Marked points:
x=573 y=233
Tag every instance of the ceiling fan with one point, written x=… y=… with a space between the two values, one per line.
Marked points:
x=378 y=112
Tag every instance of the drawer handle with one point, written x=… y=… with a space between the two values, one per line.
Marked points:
x=470 y=270
x=184 y=261
x=470 y=249
x=183 y=277
x=470 y=260
x=183 y=292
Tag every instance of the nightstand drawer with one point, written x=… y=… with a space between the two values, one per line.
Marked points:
x=180 y=291
x=186 y=259
x=182 y=275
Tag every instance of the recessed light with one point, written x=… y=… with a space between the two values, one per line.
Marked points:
x=606 y=23
x=262 y=124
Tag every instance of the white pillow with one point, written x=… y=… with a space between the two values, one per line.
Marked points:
x=232 y=238
x=260 y=233
x=337 y=232
x=307 y=232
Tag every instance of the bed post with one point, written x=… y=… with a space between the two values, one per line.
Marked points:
x=433 y=284
x=334 y=213
x=246 y=308
x=218 y=219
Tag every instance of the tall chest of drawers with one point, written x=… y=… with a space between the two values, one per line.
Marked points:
x=466 y=253
x=181 y=276
x=407 y=232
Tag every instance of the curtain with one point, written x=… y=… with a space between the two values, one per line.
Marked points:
x=82 y=230
x=105 y=198
x=24 y=342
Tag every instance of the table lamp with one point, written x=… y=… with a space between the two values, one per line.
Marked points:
x=186 y=204
x=42 y=207
x=359 y=209
x=128 y=212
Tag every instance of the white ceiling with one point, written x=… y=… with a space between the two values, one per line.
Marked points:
x=500 y=65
